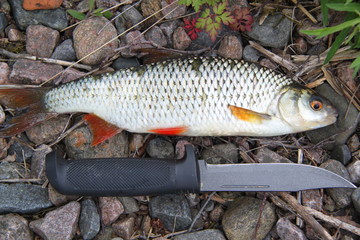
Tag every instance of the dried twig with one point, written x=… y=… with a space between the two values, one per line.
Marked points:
x=201 y=211
x=307 y=217
x=20 y=180
x=301 y=7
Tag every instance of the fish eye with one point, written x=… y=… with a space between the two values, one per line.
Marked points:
x=316 y=105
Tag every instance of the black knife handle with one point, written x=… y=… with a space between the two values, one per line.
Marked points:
x=123 y=176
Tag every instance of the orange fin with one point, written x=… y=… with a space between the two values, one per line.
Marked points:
x=169 y=131
x=248 y=115
x=27 y=102
x=154 y=55
x=101 y=129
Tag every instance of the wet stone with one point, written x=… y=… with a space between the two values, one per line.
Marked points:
x=265 y=155
x=241 y=218
x=65 y=51
x=23 y=198
x=130 y=204
x=341 y=196
x=213 y=234
x=230 y=47
x=14 y=227
x=41 y=41
x=160 y=148
x=156 y=36
x=173 y=210
x=47 y=131
x=4 y=73
x=354 y=171
x=220 y=154
x=122 y=63
x=125 y=227
x=341 y=153
x=251 y=54
x=111 y=208
x=89 y=222
x=274 y=32
x=59 y=224
x=181 y=40
x=289 y=231
x=55 y=19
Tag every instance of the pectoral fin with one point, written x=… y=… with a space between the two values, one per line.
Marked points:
x=101 y=129
x=248 y=115
x=169 y=131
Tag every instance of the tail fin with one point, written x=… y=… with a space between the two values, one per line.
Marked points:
x=28 y=102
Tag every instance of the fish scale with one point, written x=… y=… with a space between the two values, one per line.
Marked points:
x=194 y=93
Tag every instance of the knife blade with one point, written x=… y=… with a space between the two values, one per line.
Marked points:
x=149 y=176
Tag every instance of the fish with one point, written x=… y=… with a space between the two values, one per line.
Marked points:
x=192 y=96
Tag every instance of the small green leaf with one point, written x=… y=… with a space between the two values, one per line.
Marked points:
x=197 y=5
x=351 y=7
x=325 y=12
x=108 y=14
x=356 y=65
x=200 y=23
x=336 y=44
x=219 y=9
x=97 y=10
x=76 y=14
x=326 y=31
x=226 y=18
x=205 y=13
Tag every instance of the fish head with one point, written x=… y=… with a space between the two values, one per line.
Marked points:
x=303 y=109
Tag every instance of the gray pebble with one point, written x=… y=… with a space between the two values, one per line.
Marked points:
x=221 y=153
x=122 y=63
x=4 y=4
x=9 y=170
x=52 y=18
x=341 y=196
x=241 y=218
x=274 y=32
x=21 y=149
x=124 y=227
x=37 y=169
x=213 y=234
x=14 y=227
x=172 y=210
x=120 y=23
x=65 y=51
x=160 y=148
x=355 y=197
x=132 y=16
x=3 y=21
x=251 y=54
x=202 y=41
x=89 y=222
x=341 y=153
x=354 y=171
x=23 y=198
x=156 y=36
x=265 y=155
x=130 y=204
x=41 y=41
x=289 y=231
x=317 y=49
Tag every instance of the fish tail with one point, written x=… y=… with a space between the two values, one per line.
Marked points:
x=28 y=105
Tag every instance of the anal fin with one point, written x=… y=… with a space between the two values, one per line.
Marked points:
x=101 y=129
x=248 y=115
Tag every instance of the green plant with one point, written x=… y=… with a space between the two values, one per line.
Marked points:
x=94 y=12
x=349 y=30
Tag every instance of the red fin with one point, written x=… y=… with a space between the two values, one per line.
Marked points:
x=101 y=129
x=248 y=115
x=28 y=102
x=169 y=131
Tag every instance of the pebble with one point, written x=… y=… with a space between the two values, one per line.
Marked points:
x=106 y=233
x=3 y=21
x=313 y=199
x=301 y=45
x=220 y=154
x=136 y=41
x=3 y=144
x=59 y=199
x=132 y=17
x=289 y=231
x=20 y=149
x=242 y=216
x=110 y=208
x=41 y=4
x=83 y=6
x=78 y=146
x=55 y=19
x=341 y=196
x=156 y=36
x=150 y=7
x=341 y=153
x=250 y=54
x=265 y=155
x=172 y=9
x=4 y=4
x=346 y=124
x=317 y=49
x=199 y=223
x=181 y=39
x=14 y=35
x=48 y=131
x=173 y=210
x=130 y=204
x=213 y=234
x=230 y=47
x=65 y=51
x=136 y=142
x=32 y=72
x=217 y=213
x=355 y=197
x=274 y=32
x=4 y=73
x=89 y=222
x=125 y=227
x=69 y=75
x=120 y=24
x=160 y=148
x=14 y=227
x=193 y=199
x=168 y=29
x=265 y=62
x=37 y=169
x=89 y=35
x=180 y=148
x=202 y=41
x=41 y=41
x=354 y=171
x=311 y=39
x=23 y=198
x=10 y=171
x=353 y=143
x=59 y=224
x=122 y=63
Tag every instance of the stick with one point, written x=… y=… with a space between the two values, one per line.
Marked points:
x=333 y=221
x=307 y=217
x=301 y=7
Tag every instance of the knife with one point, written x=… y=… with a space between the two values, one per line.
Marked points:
x=149 y=176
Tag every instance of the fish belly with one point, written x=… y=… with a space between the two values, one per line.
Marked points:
x=193 y=93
